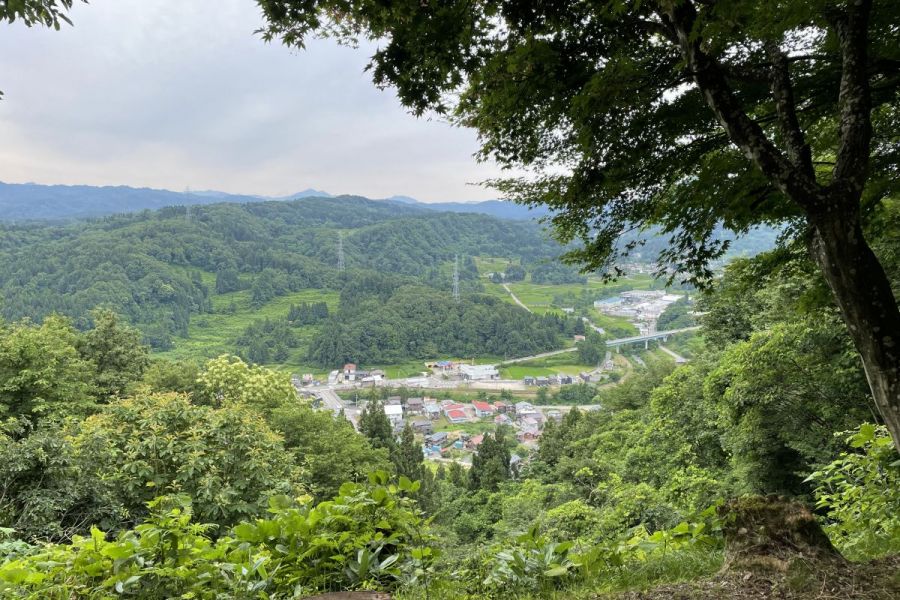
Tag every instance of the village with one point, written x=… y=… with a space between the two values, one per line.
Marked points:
x=461 y=400
x=452 y=428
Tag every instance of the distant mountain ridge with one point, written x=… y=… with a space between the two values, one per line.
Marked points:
x=36 y=202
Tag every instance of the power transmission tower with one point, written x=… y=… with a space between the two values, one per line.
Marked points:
x=456 y=277
x=340 y=252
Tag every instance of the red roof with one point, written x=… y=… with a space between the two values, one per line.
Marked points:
x=454 y=407
x=482 y=406
x=499 y=404
x=476 y=441
x=349 y=367
x=457 y=414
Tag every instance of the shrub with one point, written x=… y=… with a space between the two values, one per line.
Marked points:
x=860 y=494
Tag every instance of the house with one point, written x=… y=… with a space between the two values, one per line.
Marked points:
x=502 y=420
x=415 y=406
x=436 y=439
x=500 y=406
x=457 y=416
x=479 y=372
x=526 y=412
x=441 y=365
x=555 y=415
x=528 y=435
x=528 y=380
x=394 y=413
x=474 y=442
x=542 y=381
x=333 y=377
x=483 y=409
x=579 y=338
x=524 y=407
x=448 y=405
x=349 y=372
x=568 y=310
x=422 y=426
x=432 y=410
x=531 y=422
x=585 y=377
x=565 y=379
x=393 y=401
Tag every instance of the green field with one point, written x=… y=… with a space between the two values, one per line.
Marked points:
x=210 y=335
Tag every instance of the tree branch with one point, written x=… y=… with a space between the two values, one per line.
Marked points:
x=798 y=150
x=851 y=166
x=747 y=135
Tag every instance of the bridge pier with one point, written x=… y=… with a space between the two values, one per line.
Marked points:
x=646 y=344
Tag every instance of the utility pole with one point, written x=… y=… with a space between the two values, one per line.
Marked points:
x=340 y=250
x=456 y=278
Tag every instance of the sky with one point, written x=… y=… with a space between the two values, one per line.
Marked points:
x=178 y=94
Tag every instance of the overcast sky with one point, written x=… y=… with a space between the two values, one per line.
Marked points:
x=181 y=93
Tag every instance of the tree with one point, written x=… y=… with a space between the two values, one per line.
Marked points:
x=374 y=424
x=408 y=457
x=490 y=465
x=41 y=372
x=327 y=448
x=677 y=114
x=226 y=459
x=592 y=350
x=116 y=351
x=172 y=376
x=228 y=379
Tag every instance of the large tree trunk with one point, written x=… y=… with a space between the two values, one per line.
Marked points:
x=867 y=305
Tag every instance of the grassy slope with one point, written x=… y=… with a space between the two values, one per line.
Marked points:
x=213 y=334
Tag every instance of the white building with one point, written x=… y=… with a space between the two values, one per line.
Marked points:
x=479 y=372
x=394 y=413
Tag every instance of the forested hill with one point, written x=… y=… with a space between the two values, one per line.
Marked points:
x=158 y=268
x=31 y=202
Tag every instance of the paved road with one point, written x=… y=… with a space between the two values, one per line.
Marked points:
x=330 y=399
x=674 y=355
x=515 y=298
x=536 y=356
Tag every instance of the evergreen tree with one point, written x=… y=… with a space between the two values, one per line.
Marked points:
x=457 y=475
x=408 y=456
x=374 y=424
x=490 y=466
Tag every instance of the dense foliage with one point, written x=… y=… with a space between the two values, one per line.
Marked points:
x=368 y=535
x=385 y=324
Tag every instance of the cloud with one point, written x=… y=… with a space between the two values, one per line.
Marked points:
x=172 y=94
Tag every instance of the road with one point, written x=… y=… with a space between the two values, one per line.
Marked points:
x=515 y=298
x=678 y=358
x=330 y=399
x=536 y=356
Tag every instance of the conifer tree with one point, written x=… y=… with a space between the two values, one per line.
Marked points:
x=374 y=424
